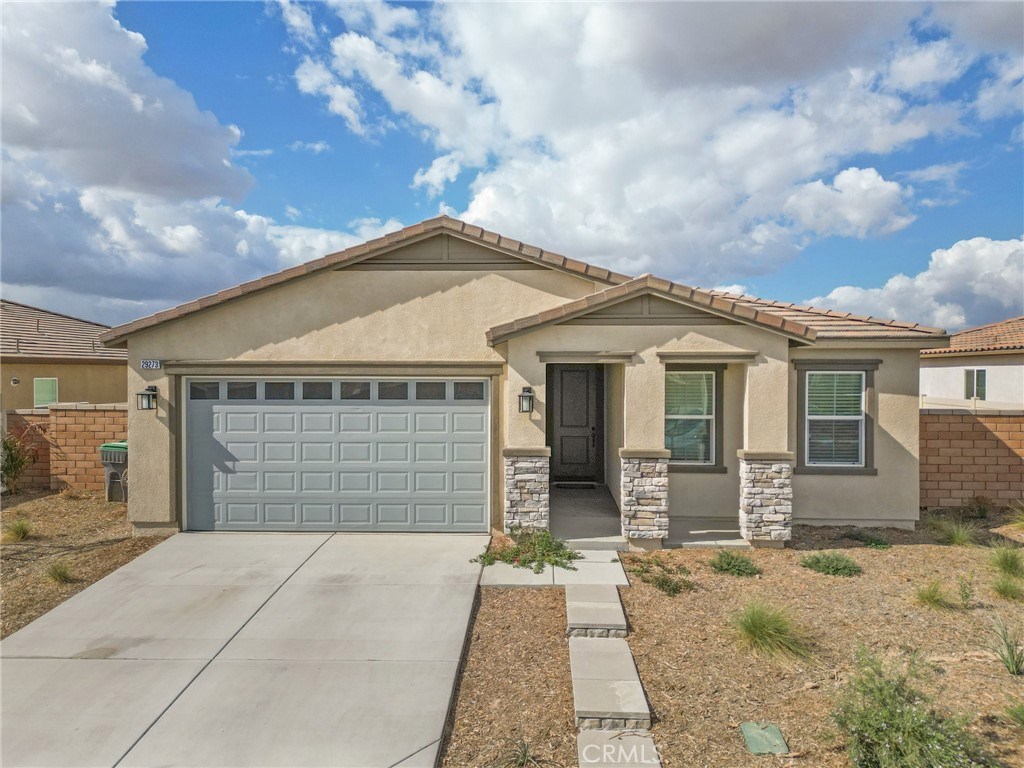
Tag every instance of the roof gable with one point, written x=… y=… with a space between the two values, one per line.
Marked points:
x=396 y=251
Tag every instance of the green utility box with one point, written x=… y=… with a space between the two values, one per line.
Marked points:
x=115 y=469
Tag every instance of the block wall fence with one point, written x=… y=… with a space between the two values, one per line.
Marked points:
x=964 y=455
x=67 y=437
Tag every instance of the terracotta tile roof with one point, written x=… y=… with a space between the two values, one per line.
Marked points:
x=366 y=250
x=32 y=332
x=831 y=324
x=805 y=323
x=1003 y=336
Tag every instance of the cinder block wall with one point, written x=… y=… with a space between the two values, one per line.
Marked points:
x=33 y=426
x=964 y=455
x=68 y=456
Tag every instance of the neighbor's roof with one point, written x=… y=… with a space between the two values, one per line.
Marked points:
x=356 y=253
x=800 y=322
x=1004 y=336
x=32 y=332
x=805 y=323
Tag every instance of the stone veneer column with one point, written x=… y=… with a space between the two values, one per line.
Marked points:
x=527 y=489
x=766 y=501
x=644 y=495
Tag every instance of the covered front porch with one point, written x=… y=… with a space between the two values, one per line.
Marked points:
x=585 y=516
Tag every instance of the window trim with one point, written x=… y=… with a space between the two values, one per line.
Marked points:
x=56 y=391
x=972 y=373
x=717 y=465
x=865 y=367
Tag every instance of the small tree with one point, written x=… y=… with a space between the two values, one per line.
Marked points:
x=18 y=454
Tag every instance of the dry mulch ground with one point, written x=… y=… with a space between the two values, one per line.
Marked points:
x=701 y=686
x=515 y=682
x=91 y=535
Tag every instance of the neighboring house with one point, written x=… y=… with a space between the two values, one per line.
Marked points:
x=982 y=368
x=47 y=357
x=443 y=378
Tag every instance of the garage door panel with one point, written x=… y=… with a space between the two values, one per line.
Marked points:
x=366 y=464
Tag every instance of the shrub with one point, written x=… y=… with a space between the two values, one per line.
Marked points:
x=934 y=596
x=18 y=529
x=1008 y=560
x=1015 y=713
x=869 y=540
x=771 y=631
x=1008 y=588
x=17 y=455
x=1009 y=649
x=532 y=549
x=965 y=588
x=977 y=508
x=955 y=533
x=733 y=563
x=889 y=723
x=653 y=570
x=516 y=752
x=1016 y=510
x=60 y=572
x=831 y=564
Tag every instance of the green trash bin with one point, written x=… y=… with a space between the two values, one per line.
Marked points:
x=114 y=457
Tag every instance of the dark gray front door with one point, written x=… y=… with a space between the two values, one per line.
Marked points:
x=576 y=422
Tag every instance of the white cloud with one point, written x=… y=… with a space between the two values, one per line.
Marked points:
x=251 y=152
x=292 y=212
x=443 y=170
x=316 y=147
x=973 y=282
x=313 y=78
x=1002 y=94
x=922 y=68
x=736 y=289
x=859 y=202
x=298 y=21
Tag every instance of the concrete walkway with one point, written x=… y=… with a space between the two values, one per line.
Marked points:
x=248 y=649
x=596 y=567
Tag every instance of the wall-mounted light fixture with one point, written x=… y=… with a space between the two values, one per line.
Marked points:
x=526 y=400
x=147 y=398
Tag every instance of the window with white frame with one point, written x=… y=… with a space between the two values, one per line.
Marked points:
x=834 y=420
x=690 y=416
x=974 y=383
x=44 y=392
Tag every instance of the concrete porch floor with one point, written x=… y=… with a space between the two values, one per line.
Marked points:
x=586 y=518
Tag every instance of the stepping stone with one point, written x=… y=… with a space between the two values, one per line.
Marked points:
x=606 y=688
x=617 y=749
x=505 y=575
x=594 y=610
x=596 y=567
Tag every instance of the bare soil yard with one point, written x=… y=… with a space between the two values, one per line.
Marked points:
x=90 y=535
x=515 y=682
x=701 y=686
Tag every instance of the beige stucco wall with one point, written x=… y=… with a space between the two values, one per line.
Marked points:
x=389 y=316
x=892 y=496
x=76 y=382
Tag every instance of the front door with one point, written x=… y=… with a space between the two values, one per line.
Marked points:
x=575 y=418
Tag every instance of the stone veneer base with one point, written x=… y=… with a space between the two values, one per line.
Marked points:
x=766 y=502
x=527 y=492
x=644 y=498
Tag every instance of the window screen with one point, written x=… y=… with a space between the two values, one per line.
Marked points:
x=690 y=416
x=44 y=392
x=835 y=418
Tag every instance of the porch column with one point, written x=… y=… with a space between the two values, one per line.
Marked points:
x=644 y=495
x=766 y=498
x=527 y=488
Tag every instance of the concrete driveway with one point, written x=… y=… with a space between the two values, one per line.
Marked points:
x=234 y=649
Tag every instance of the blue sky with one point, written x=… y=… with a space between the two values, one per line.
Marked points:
x=157 y=151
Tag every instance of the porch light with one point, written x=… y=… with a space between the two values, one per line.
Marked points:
x=147 y=398
x=526 y=400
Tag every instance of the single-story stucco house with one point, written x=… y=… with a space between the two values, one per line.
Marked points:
x=446 y=378
x=48 y=357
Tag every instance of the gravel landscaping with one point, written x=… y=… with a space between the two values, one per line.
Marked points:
x=79 y=534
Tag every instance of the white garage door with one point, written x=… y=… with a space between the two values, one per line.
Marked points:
x=337 y=455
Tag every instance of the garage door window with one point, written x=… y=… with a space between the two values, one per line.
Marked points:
x=355 y=390
x=241 y=390
x=430 y=390
x=204 y=390
x=469 y=390
x=393 y=390
x=317 y=390
x=279 y=390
